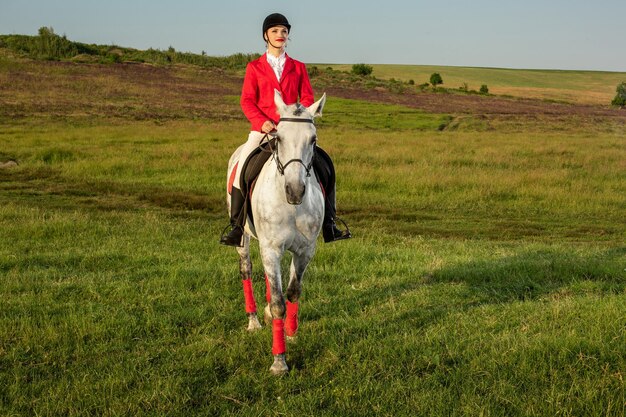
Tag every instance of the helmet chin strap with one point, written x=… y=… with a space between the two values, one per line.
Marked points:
x=275 y=47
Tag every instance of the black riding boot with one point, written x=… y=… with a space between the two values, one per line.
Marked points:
x=325 y=172
x=330 y=232
x=233 y=238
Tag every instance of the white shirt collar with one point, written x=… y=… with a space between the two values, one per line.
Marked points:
x=277 y=63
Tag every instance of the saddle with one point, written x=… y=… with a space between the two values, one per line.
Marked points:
x=322 y=167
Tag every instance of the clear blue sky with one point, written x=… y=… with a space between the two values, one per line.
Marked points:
x=555 y=34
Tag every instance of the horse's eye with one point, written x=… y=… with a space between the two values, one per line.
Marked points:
x=313 y=140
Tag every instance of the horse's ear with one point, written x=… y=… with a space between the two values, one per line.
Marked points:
x=278 y=100
x=316 y=108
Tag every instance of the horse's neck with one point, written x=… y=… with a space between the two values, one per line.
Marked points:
x=271 y=182
x=271 y=171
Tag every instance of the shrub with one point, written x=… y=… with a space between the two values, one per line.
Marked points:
x=362 y=69
x=435 y=79
x=620 y=98
x=484 y=89
x=396 y=86
x=47 y=45
x=411 y=82
x=313 y=71
x=110 y=59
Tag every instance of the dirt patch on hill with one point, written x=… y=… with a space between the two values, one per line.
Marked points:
x=144 y=91
x=452 y=103
x=479 y=113
x=136 y=91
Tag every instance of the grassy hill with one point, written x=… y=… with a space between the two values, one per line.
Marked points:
x=585 y=87
x=588 y=87
x=49 y=46
x=136 y=90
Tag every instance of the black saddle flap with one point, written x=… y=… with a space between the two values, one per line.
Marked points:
x=254 y=163
x=322 y=166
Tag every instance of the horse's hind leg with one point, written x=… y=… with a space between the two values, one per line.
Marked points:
x=245 y=270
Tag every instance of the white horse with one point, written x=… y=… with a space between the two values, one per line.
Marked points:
x=288 y=209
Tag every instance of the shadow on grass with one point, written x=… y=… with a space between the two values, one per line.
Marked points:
x=462 y=224
x=535 y=274
x=394 y=312
x=45 y=182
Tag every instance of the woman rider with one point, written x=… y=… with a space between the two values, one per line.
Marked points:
x=273 y=70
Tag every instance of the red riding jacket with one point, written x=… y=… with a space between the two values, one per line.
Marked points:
x=257 y=94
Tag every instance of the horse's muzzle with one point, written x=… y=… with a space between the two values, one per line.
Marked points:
x=294 y=194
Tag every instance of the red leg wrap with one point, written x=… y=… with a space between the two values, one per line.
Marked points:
x=291 y=321
x=248 y=295
x=278 y=333
x=268 y=290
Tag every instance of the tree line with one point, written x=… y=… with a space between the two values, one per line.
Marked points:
x=48 y=45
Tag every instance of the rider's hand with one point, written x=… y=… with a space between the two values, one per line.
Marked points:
x=268 y=126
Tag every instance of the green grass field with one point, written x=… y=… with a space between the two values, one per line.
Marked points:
x=588 y=87
x=487 y=275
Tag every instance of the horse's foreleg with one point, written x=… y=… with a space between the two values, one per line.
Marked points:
x=294 y=290
x=277 y=308
x=268 y=298
x=245 y=270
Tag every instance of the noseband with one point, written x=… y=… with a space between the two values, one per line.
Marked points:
x=279 y=165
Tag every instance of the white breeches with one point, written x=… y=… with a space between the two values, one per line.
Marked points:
x=254 y=140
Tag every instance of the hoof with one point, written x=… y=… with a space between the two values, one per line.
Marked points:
x=279 y=367
x=253 y=323
x=267 y=315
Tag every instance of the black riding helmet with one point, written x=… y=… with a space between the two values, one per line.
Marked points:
x=275 y=19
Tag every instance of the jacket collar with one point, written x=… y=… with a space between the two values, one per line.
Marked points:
x=289 y=66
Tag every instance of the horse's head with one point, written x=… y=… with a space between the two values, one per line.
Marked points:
x=296 y=138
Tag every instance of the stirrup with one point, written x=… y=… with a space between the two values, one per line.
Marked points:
x=344 y=234
x=224 y=238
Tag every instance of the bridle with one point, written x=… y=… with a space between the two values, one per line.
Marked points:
x=279 y=165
